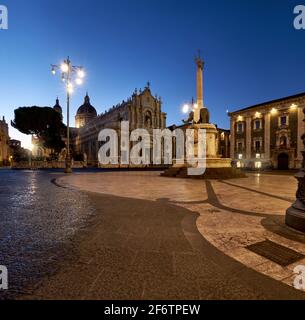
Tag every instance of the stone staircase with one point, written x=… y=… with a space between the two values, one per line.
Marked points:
x=175 y=172
x=210 y=173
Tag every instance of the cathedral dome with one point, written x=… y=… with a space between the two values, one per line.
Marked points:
x=57 y=107
x=87 y=108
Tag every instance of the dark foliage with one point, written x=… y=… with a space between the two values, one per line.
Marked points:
x=45 y=123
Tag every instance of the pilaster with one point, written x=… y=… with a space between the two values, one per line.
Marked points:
x=267 y=136
x=248 y=137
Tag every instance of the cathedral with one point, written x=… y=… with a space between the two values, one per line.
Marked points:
x=142 y=110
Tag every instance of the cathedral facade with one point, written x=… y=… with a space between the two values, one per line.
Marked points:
x=4 y=143
x=142 y=110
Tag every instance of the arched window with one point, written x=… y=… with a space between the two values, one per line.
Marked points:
x=148 y=119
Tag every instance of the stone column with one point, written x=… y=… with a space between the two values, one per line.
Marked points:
x=233 y=142
x=138 y=118
x=134 y=117
x=226 y=147
x=267 y=137
x=300 y=133
x=200 y=64
x=162 y=121
x=248 y=138
x=154 y=120
x=131 y=117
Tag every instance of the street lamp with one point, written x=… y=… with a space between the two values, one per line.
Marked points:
x=185 y=108
x=69 y=74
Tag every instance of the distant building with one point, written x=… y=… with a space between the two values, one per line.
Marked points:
x=4 y=143
x=223 y=143
x=268 y=135
x=142 y=110
x=17 y=152
x=85 y=113
x=15 y=143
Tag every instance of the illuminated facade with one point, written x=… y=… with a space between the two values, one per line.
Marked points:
x=142 y=110
x=268 y=135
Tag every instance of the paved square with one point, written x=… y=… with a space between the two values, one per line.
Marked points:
x=163 y=238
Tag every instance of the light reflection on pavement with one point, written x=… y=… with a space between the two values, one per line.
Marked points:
x=38 y=220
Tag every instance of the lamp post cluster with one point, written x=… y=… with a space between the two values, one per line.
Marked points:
x=70 y=75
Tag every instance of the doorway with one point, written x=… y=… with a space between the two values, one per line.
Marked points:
x=283 y=161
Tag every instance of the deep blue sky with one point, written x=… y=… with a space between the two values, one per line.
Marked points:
x=251 y=49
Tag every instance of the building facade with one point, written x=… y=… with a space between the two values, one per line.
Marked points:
x=268 y=135
x=142 y=110
x=223 y=143
x=4 y=143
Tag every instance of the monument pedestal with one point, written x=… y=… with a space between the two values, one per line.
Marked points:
x=216 y=167
x=295 y=215
x=211 y=139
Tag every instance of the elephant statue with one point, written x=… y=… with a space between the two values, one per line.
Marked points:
x=204 y=117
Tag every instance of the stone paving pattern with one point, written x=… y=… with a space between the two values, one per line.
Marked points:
x=38 y=225
x=162 y=238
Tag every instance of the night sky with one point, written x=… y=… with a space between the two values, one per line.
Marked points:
x=252 y=52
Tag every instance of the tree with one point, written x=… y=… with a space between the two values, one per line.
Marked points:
x=45 y=123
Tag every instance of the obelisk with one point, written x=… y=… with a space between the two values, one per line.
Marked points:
x=207 y=162
x=200 y=103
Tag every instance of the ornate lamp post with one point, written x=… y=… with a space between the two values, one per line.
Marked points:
x=295 y=215
x=69 y=75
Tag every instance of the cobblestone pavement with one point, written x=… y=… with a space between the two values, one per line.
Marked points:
x=38 y=223
x=162 y=238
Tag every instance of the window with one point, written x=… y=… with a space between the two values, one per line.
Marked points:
x=257 y=146
x=239 y=146
x=240 y=156
x=257 y=156
x=148 y=119
x=240 y=127
x=257 y=124
x=283 y=120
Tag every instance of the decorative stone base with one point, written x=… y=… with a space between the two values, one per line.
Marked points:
x=211 y=139
x=210 y=173
x=295 y=216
